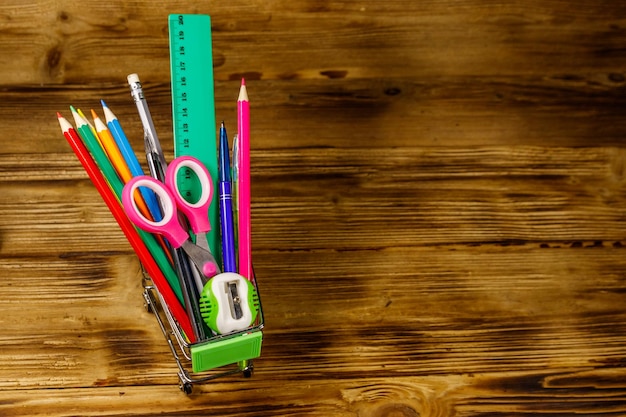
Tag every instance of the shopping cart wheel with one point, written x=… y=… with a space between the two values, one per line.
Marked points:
x=148 y=308
x=246 y=368
x=186 y=387
x=147 y=304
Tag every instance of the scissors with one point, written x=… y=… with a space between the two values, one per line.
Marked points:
x=171 y=202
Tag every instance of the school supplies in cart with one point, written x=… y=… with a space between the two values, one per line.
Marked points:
x=212 y=320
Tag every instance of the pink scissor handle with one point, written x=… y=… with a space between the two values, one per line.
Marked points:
x=197 y=213
x=169 y=225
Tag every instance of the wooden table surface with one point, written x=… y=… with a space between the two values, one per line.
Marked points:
x=438 y=208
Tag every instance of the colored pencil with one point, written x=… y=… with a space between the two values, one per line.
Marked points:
x=119 y=164
x=93 y=129
x=177 y=310
x=111 y=149
x=244 y=194
x=93 y=145
x=116 y=185
x=131 y=159
x=117 y=160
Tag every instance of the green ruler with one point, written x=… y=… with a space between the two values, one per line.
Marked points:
x=193 y=107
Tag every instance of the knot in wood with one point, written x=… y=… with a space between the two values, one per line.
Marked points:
x=395 y=410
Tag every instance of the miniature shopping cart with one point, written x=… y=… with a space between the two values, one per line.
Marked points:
x=210 y=358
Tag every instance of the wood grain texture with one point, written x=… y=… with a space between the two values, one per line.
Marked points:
x=438 y=208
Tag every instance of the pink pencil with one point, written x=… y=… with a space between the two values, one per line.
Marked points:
x=243 y=199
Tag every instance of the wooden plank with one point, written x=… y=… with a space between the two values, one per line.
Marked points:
x=437 y=206
x=72 y=44
x=375 y=113
x=526 y=393
x=398 y=312
x=357 y=199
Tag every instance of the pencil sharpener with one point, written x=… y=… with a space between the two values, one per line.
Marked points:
x=229 y=303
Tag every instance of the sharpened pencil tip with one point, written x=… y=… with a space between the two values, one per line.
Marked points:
x=77 y=117
x=243 y=93
x=222 y=124
x=103 y=103
x=94 y=115
x=65 y=125
x=243 y=81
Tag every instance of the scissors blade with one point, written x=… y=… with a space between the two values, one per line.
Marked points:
x=202 y=259
x=202 y=241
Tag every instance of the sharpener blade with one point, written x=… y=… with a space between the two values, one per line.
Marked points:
x=234 y=300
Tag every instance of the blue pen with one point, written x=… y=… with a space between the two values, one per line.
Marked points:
x=131 y=160
x=226 y=207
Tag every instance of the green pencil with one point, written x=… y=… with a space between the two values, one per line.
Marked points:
x=91 y=142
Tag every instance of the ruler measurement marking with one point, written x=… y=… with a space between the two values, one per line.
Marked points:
x=193 y=105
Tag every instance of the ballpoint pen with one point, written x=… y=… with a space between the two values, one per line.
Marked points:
x=234 y=179
x=226 y=209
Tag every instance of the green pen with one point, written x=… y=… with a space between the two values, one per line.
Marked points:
x=91 y=142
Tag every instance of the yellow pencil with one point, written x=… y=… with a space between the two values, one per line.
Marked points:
x=110 y=147
x=91 y=127
x=122 y=169
x=117 y=160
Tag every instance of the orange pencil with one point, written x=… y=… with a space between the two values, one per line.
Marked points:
x=119 y=164
x=132 y=234
x=111 y=149
x=117 y=160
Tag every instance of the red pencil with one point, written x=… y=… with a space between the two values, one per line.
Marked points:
x=129 y=230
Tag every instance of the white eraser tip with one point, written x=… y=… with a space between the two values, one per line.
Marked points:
x=133 y=78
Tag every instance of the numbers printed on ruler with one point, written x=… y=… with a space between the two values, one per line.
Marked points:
x=182 y=98
x=182 y=83
x=191 y=68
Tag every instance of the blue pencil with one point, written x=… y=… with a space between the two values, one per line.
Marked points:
x=131 y=159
